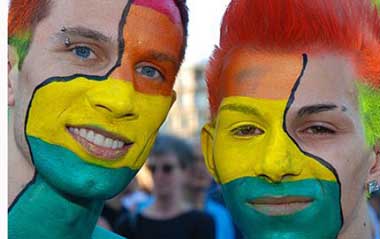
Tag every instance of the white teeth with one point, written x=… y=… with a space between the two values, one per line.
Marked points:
x=97 y=139
x=120 y=144
x=90 y=136
x=108 y=143
x=115 y=145
x=83 y=132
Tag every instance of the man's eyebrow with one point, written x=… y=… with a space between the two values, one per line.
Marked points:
x=314 y=109
x=84 y=32
x=241 y=108
x=249 y=73
x=160 y=56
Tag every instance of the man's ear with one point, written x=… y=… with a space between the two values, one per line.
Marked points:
x=207 y=141
x=374 y=172
x=13 y=73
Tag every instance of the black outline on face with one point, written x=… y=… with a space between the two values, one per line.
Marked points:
x=320 y=160
x=122 y=23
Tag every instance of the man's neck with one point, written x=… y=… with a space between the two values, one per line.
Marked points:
x=63 y=216
x=359 y=226
x=20 y=169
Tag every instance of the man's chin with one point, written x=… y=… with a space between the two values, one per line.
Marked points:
x=71 y=175
x=305 y=209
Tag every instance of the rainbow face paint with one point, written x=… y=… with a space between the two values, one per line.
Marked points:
x=109 y=121
x=95 y=110
x=273 y=144
x=269 y=184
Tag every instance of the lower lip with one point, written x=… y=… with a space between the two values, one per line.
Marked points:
x=280 y=209
x=99 y=151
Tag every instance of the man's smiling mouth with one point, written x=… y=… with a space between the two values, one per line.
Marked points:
x=279 y=206
x=100 y=143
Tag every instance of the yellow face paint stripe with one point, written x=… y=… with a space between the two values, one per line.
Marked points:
x=68 y=104
x=273 y=151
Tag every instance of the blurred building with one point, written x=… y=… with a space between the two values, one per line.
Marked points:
x=190 y=111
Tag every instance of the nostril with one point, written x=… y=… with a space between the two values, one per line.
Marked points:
x=103 y=107
x=271 y=178
x=115 y=111
x=129 y=115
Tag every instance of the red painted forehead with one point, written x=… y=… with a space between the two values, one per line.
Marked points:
x=167 y=7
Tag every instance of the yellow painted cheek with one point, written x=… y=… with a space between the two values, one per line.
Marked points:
x=272 y=154
x=74 y=103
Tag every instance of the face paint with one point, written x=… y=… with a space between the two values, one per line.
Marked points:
x=141 y=37
x=275 y=153
x=275 y=168
x=91 y=123
x=166 y=7
x=103 y=127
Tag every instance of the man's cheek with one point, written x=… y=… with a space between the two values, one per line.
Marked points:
x=48 y=104
x=154 y=87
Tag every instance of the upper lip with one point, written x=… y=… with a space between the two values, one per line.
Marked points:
x=281 y=200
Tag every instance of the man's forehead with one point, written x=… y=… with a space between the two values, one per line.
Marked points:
x=166 y=7
x=273 y=76
x=260 y=74
x=104 y=16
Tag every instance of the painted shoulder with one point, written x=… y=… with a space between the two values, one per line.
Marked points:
x=101 y=233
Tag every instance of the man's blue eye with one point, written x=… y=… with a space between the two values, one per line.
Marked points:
x=149 y=72
x=82 y=52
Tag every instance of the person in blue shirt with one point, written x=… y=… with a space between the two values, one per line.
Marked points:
x=196 y=191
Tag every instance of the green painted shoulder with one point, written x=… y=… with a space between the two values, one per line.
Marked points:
x=101 y=233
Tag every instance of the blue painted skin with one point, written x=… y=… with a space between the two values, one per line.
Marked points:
x=321 y=219
x=66 y=216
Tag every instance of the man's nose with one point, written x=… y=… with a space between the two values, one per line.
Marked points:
x=282 y=159
x=115 y=98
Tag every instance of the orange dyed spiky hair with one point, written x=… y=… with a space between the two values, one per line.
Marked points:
x=24 y=14
x=22 y=18
x=286 y=26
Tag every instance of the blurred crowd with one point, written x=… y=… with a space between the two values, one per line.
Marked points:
x=173 y=196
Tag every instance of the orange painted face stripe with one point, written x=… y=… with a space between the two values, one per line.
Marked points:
x=167 y=7
x=150 y=37
x=259 y=75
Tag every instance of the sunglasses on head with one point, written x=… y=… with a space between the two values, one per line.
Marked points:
x=165 y=168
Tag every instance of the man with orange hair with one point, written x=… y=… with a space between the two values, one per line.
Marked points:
x=90 y=83
x=294 y=139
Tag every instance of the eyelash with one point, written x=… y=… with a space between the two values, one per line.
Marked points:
x=139 y=69
x=319 y=130
x=247 y=131
x=81 y=47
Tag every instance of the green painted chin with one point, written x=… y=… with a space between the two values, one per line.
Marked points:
x=66 y=172
x=321 y=219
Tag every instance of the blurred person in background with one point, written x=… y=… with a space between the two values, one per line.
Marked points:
x=170 y=215
x=196 y=192
x=140 y=192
